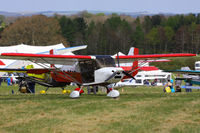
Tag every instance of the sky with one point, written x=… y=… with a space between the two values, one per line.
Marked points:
x=151 y=6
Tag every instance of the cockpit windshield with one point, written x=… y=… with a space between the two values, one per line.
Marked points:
x=105 y=61
x=197 y=65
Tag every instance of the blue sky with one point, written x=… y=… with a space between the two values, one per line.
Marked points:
x=152 y=6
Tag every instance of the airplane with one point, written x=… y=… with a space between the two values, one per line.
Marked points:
x=189 y=76
x=58 y=49
x=84 y=70
x=10 y=64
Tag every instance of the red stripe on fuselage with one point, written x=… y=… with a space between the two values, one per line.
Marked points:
x=66 y=76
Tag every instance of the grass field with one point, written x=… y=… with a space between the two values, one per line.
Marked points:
x=137 y=110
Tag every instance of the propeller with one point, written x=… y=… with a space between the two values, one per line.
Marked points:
x=124 y=72
x=114 y=73
x=118 y=59
x=127 y=74
x=111 y=76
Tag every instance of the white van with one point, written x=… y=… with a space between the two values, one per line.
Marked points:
x=197 y=65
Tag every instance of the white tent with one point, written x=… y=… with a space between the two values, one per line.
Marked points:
x=22 y=48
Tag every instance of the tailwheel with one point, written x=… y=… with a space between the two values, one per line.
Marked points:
x=76 y=93
x=42 y=92
x=66 y=91
x=113 y=93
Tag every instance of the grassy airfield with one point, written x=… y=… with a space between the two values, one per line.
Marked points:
x=138 y=110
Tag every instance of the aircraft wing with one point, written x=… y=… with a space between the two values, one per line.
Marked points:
x=20 y=70
x=69 y=59
x=130 y=58
x=46 y=58
x=13 y=70
x=153 y=56
x=67 y=50
x=193 y=72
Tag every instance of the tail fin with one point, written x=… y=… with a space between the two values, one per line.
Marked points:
x=52 y=51
x=135 y=51
x=134 y=69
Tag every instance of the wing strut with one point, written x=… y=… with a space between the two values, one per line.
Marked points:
x=67 y=76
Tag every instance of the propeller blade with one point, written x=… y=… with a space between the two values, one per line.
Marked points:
x=127 y=74
x=111 y=76
x=118 y=59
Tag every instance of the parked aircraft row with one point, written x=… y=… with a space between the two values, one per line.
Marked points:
x=84 y=70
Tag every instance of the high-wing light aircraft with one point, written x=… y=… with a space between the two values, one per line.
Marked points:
x=189 y=76
x=84 y=70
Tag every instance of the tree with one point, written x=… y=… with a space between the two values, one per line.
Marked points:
x=138 y=37
x=153 y=39
x=93 y=38
x=35 y=30
x=182 y=40
x=67 y=28
x=2 y=24
x=2 y=18
x=169 y=34
x=147 y=24
x=156 y=20
x=118 y=35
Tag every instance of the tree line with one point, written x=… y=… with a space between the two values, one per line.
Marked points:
x=107 y=34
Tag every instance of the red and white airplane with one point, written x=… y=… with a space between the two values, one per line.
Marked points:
x=84 y=70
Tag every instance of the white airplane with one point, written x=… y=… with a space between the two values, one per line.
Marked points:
x=22 y=48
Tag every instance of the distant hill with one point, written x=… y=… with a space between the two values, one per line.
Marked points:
x=68 y=13
x=9 y=14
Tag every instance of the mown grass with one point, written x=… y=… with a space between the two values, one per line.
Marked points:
x=138 y=110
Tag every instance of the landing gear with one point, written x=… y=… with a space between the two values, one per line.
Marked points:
x=65 y=91
x=76 y=93
x=26 y=86
x=44 y=91
x=112 y=93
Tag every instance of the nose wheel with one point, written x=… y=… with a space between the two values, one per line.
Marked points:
x=113 y=93
x=74 y=94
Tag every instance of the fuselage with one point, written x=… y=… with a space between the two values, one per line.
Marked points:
x=102 y=71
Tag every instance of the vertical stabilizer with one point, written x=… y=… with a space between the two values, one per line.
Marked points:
x=52 y=51
x=135 y=51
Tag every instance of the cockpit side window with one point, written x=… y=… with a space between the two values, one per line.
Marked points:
x=105 y=61
x=197 y=65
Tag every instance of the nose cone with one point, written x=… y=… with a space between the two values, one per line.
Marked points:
x=115 y=75
x=108 y=74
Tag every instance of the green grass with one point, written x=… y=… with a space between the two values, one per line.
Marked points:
x=138 y=110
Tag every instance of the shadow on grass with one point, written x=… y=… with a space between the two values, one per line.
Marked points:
x=84 y=96
x=131 y=96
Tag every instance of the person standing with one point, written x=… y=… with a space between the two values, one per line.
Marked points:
x=8 y=81
x=172 y=86
x=178 y=84
x=1 y=80
x=188 y=89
